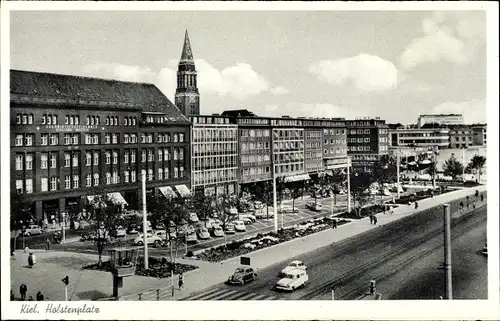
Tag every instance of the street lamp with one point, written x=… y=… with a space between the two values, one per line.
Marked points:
x=348 y=164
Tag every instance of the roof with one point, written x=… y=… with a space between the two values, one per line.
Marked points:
x=238 y=113
x=77 y=89
x=439 y=115
x=187 y=52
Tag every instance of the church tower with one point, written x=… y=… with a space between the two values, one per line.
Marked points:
x=187 y=97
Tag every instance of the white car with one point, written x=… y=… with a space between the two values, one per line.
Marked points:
x=239 y=226
x=294 y=265
x=250 y=217
x=292 y=280
x=150 y=238
x=193 y=217
x=262 y=213
x=32 y=230
x=286 y=209
x=246 y=220
x=386 y=192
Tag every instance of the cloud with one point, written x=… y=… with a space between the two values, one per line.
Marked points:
x=368 y=73
x=300 y=109
x=474 y=111
x=239 y=81
x=279 y=90
x=448 y=36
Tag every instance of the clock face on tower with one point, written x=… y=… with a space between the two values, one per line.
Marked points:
x=192 y=99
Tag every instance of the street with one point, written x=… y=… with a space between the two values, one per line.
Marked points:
x=349 y=265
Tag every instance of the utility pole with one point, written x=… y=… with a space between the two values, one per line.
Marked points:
x=447 y=251
x=275 y=205
x=348 y=186
x=398 y=164
x=63 y=214
x=172 y=262
x=463 y=164
x=144 y=219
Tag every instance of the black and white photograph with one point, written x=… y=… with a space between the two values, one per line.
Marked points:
x=282 y=157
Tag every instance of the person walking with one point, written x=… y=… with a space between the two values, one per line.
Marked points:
x=22 y=290
x=371 y=219
x=39 y=296
x=477 y=193
x=461 y=206
x=416 y=205
x=374 y=220
x=31 y=260
x=47 y=244
x=468 y=202
x=474 y=204
x=334 y=223
x=392 y=210
x=181 y=281
x=482 y=197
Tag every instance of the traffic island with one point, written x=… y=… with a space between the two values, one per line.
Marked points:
x=261 y=241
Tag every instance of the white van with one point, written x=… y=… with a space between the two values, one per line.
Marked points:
x=292 y=280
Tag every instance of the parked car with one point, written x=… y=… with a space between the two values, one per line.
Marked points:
x=203 y=233
x=193 y=218
x=313 y=206
x=191 y=237
x=288 y=209
x=32 y=230
x=292 y=280
x=246 y=220
x=258 y=205
x=294 y=265
x=217 y=231
x=251 y=217
x=302 y=226
x=239 y=226
x=150 y=239
x=161 y=234
x=120 y=232
x=229 y=229
x=262 y=213
x=242 y=275
x=386 y=192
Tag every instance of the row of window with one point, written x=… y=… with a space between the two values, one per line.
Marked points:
x=339 y=141
x=205 y=163
x=337 y=150
x=289 y=157
x=255 y=132
x=210 y=120
x=254 y=146
x=258 y=170
x=365 y=148
x=282 y=134
x=313 y=145
x=283 y=146
x=214 y=135
x=225 y=148
x=255 y=159
x=25 y=119
x=316 y=134
x=73 y=181
x=290 y=168
x=214 y=176
x=314 y=155
x=334 y=131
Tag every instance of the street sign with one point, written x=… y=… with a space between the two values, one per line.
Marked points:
x=245 y=260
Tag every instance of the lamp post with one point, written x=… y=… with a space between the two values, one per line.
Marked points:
x=398 y=164
x=463 y=164
x=348 y=186
x=144 y=219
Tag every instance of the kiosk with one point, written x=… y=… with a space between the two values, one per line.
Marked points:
x=123 y=262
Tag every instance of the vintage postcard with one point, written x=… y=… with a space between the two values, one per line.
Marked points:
x=250 y=160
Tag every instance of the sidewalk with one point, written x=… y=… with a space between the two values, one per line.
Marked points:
x=52 y=266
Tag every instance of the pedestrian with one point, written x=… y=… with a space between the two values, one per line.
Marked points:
x=416 y=205
x=371 y=219
x=22 y=290
x=374 y=220
x=392 y=210
x=467 y=202
x=482 y=197
x=477 y=193
x=474 y=204
x=31 y=260
x=461 y=206
x=47 y=244
x=39 y=296
x=181 y=281
x=12 y=297
x=334 y=223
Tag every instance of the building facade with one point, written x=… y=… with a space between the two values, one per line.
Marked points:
x=367 y=141
x=419 y=137
x=461 y=136
x=441 y=119
x=288 y=149
x=187 y=97
x=214 y=157
x=479 y=135
x=334 y=144
x=75 y=137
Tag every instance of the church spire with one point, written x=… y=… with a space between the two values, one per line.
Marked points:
x=187 y=53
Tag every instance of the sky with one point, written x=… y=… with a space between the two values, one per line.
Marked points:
x=389 y=64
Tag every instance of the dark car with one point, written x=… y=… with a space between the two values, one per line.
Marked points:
x=242 y=275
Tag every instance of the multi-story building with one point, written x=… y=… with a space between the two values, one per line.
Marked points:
x=411 y=136
x=479 y=134
x=313 y=145
x=441 y=119
x=214 y=155
x=334 y=143
x=367 y=140
x=461 y=136
x=75 y=137
x=255 y=149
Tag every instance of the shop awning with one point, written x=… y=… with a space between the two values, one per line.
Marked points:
x=117 y=198
x=296 y=178
x=183 y=190
x=114 y=197
x=167 y=191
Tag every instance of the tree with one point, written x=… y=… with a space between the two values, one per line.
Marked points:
x=360 y=182
x=296 y=193
x=264 y=193
x=222 y=206
x=477 y=162
x=338 y=178
x=106 y=213
x=20 y=209
x=202 y=205
x=452 y=167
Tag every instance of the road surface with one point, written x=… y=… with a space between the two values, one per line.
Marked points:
x=349 y=265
